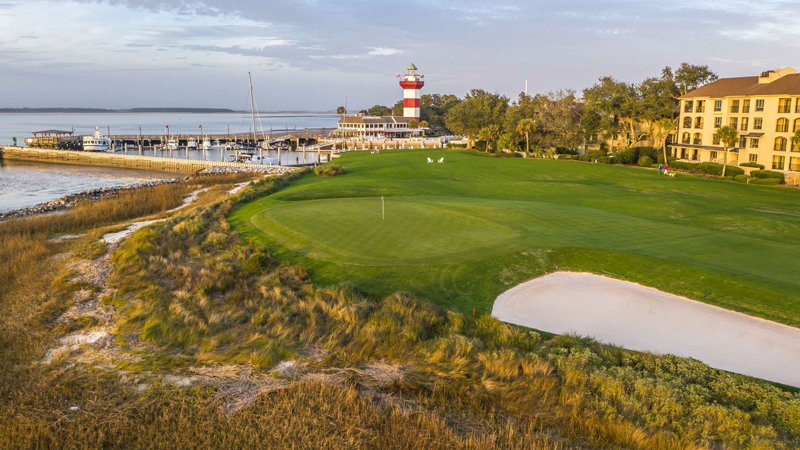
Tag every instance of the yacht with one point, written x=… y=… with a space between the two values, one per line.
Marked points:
x=191 y=144
x=206 y=143
x=96 y=143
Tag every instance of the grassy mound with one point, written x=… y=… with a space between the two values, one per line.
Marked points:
x=462 y=232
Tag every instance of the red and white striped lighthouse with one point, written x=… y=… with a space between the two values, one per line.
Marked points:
x=411 y=84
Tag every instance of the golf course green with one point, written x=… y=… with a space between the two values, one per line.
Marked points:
x=462 y=232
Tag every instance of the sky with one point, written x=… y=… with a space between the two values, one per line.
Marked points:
x=307 y=55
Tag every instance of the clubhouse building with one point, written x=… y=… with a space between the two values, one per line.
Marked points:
x=362 y=125
x=765 y=109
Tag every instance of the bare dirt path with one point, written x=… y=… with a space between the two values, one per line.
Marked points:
x=645 y=319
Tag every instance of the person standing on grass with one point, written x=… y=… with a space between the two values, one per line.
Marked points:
x=666 y=169
x=660 y=168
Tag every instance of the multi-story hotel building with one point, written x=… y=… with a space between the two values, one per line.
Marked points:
x=765 y=109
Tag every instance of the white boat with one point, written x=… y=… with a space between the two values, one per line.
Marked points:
x=191 y=144
x=95 y=143
x=172 y=144
x=206 y=143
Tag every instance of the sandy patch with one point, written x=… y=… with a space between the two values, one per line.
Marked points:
x=112 y=238
x=645 y=319
x=238 y=187
x=74 y=341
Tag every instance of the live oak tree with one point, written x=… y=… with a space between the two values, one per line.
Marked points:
x=380 y=110
x=478 y=110
x=729 y=137
x=434 y=107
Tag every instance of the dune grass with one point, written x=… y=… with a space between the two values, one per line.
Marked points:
x=190 y=294
x=462 y=232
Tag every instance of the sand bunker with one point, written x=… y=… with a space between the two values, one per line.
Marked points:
x=645 y=319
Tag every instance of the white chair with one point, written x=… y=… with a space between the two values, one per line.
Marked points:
x=441 y=160
x=430 y=160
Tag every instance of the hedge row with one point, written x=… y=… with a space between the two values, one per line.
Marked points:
x=707 y=168
x=751 y=164
x=768 y=174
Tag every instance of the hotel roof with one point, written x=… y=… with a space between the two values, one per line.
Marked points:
x=748 y=87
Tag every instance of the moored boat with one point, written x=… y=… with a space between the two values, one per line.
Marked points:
x=96 y=142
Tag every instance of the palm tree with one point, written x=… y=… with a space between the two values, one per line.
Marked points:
x=729 y=137
x=413 y=124
x=424 y=125
x=341 y=111
x=489 y=134
x=666 y=126
x=796 y=139
x=526 y=127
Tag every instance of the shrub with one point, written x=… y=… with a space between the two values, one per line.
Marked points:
x=655 y=166
x=710 y=168
x=565 y=151
x=741 y=178
x=768 y=174
x=606 y=160
x=454 y=145
x=660 y=158
x=596 y=153
x=645 y=161
x=508 y=155
x=652 y=152
x=733 y=171
x=329 y=170
x=627 y=156
x=752 y=164
x=683 y=165
x=585 y=158
x=765 y=181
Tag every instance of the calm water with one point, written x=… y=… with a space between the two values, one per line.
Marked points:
x=24 y=184
x=27 y=184
x=22 y=125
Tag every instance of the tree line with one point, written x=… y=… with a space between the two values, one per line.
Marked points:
x=610 y=108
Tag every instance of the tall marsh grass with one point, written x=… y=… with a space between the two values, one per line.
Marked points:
x=189 y=293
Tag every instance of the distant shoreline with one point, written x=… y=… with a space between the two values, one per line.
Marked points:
x=145 y=111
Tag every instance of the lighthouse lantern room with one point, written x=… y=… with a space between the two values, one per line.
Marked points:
x=411 y=84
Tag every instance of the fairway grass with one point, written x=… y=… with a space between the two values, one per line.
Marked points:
x=462 y=232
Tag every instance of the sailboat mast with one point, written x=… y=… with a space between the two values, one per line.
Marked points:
x=252 y=107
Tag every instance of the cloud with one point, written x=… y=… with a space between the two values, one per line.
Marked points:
x=383 y=51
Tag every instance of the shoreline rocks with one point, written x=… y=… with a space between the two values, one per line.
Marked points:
x=269 y=170
x=70 y=200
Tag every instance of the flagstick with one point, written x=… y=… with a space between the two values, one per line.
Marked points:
x=383 y=209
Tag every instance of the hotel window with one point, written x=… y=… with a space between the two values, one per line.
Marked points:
x=742 y=142
x=753 y=143
x=717 y=122
x=780 y=144
x=782 y=125
x=685 y=138
x=715 y=140
x=713 y=155
x=745 y=106
x=784 y=105
x=687 y=106
x=759 y=105
x=745 y=121
x=757 y=123
x=796 y=125
x=735 y=106
x=701 y=106
x=796 y=146
x=717 y=105
x=733 y=122
x=778 y=161
x=753 y=158
x=797 y=105
x=698 y=122
x=794 y=164
x=698 y=139
x=687 y=122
